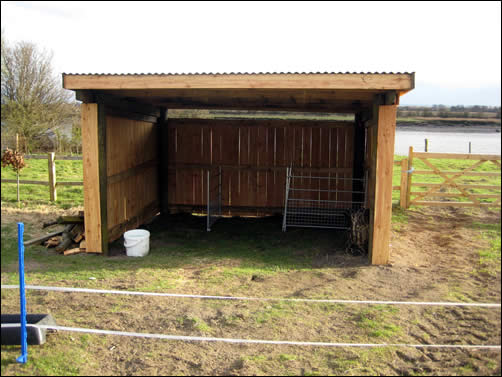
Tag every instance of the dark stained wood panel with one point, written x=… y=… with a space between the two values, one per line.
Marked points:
x=254 y=156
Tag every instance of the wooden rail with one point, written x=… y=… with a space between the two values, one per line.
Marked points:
x=450 y=181
x=52 y=183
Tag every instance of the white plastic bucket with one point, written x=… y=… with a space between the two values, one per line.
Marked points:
x=137 y=242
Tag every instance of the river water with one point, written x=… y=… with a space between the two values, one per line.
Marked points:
x=442 y=141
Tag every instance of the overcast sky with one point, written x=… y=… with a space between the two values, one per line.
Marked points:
x=454 y=48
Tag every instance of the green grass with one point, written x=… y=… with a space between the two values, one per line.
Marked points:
x=376 y=321
x=448 y=165
x=489 y=258
x=37 y=170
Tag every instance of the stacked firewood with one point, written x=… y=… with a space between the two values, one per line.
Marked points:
x=69 y=241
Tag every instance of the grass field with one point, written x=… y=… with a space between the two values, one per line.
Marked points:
x=37 y=170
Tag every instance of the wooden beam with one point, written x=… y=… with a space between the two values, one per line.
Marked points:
x=132 y=171
x=123 y=113
x=26 y=182
x=144 y=216
x=355 y=81
x=103 y=178
x=382 y=212
x=456 y=204
x=117 y=102
x=445 y=185
x=52 y=176
x=276 y=123
x=462 y=156
x=469 y=173
x=281 y=168
x=404 y=184
x=232 y=104
x=163 y=144
x=90 y=161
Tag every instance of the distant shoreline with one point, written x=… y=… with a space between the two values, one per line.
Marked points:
x=449 y=125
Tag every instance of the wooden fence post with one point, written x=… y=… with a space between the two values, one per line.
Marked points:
x=410 y=175
x=52 y=176
x=404 y=183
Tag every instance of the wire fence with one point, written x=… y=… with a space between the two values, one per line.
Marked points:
x=252 y=341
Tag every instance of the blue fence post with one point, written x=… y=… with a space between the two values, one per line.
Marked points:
x=20 y=247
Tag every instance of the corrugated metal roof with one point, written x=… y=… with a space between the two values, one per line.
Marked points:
x=239 y=73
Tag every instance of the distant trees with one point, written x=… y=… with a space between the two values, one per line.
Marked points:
x=442 y=111
x=33 y=100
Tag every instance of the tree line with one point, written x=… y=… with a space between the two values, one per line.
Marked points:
x=443 y=111
x=36 y=111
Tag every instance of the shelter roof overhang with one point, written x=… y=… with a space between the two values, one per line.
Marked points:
x=323 y=92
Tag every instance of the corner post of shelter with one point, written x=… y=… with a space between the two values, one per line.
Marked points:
x=163 y=145
x=381 y=170
x=95 y=181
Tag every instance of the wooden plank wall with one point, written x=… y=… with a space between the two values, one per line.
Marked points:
x=132 y=159
x=254 y=155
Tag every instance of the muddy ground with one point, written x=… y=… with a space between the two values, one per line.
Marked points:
x=434 y=257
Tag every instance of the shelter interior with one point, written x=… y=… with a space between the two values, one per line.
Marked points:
x=139 y=160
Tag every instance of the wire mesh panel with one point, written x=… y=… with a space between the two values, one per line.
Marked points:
x=213 y=196
x=322 y=201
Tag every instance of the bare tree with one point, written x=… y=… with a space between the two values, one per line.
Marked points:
x=33 y=100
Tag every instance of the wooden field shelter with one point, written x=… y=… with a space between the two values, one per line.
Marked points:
x=138 y=161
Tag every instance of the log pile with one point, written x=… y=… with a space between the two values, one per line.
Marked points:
x=68 y=241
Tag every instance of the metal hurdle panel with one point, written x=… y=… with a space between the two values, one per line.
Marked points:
x=321 y=202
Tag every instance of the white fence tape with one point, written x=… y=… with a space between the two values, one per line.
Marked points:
x=371 y=302
x=253 y=341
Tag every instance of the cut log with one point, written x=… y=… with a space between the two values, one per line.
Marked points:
x=54 y=241
x=82 y=245
x=70 y=220
x=77 y=233
x=66 y=241
x=65 y=220
x=50 y=223
x=73 y=251
x=43 y=238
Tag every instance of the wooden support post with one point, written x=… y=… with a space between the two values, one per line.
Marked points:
x=163 y=166
x=470 y=147
x=103 y=177
x=410 y=176
x=426 y=145
x=383 y=165
x=52 y=176
x=94 y=166
x=404 y=183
